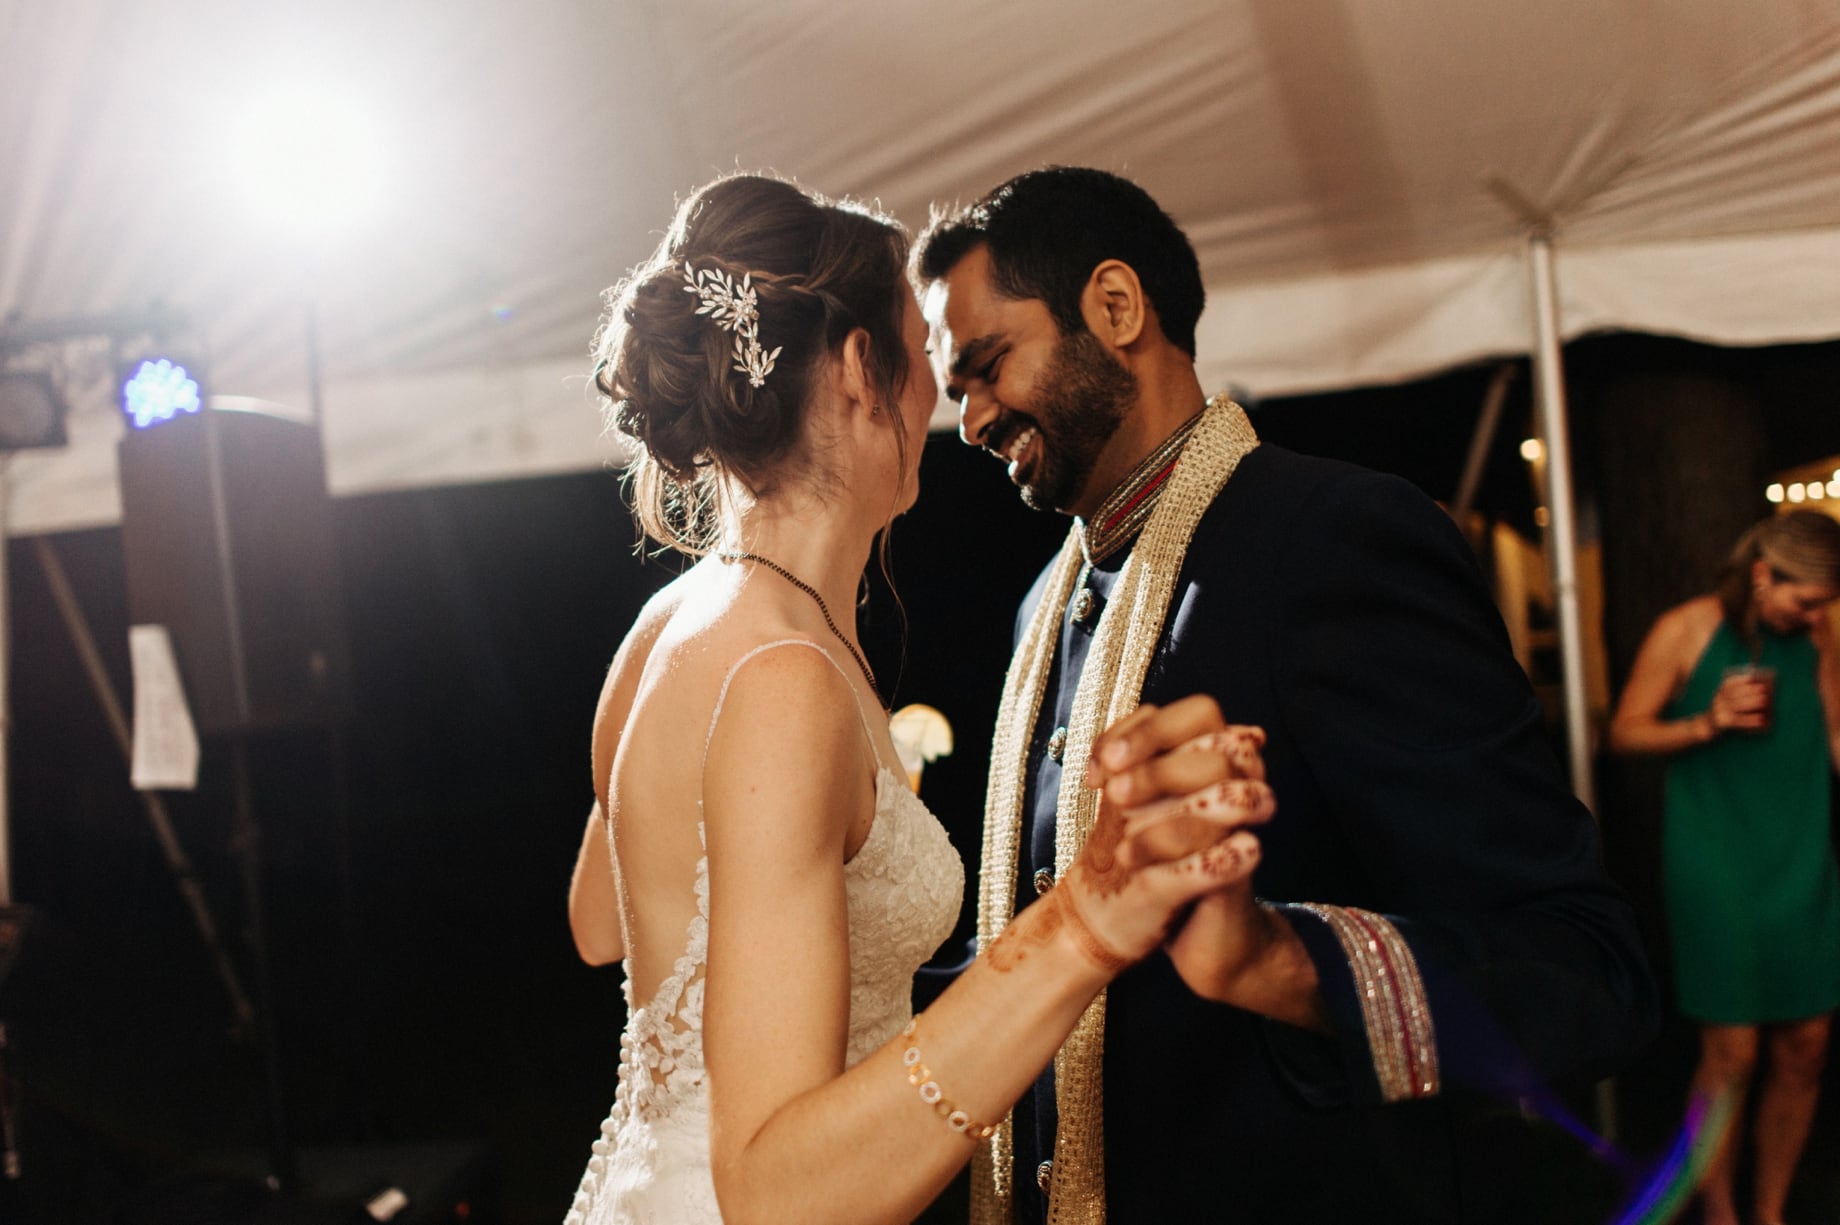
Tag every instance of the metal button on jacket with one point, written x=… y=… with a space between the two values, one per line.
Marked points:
x=1044 y=1173
x=1057 y=743
x=1083 y=604
x=1044 y=880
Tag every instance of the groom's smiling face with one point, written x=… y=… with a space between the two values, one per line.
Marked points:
x=1046 y=403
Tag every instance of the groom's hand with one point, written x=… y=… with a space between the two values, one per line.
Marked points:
x=1158 y=751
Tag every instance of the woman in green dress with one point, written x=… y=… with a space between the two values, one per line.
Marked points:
x=1741 y=689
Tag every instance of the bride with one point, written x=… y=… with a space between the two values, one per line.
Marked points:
x=763 y=868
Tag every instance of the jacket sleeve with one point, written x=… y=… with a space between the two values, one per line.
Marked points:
x=1489 y=950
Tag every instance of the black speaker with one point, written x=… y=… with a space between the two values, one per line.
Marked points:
x=227 y=534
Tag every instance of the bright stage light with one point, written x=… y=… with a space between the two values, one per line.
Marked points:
x=158 y=389
x=310 y=160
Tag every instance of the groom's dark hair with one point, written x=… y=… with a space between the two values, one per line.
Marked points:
x=1047 y=230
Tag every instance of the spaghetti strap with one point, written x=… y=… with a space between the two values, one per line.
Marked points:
x=722 y=696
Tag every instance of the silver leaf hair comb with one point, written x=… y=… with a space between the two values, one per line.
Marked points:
x=734 y=308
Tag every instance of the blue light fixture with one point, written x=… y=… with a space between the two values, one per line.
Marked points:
x=158 y=389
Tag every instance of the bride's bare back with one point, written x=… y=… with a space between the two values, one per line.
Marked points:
x=650 y=735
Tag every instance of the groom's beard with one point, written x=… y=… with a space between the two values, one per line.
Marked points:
x=1077 y=407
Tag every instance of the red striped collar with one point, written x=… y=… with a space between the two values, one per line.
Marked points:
x=1123 y=513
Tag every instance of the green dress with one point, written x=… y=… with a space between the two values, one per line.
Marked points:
x=1753 y=895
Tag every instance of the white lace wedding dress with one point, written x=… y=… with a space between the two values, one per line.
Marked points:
x=904 y=885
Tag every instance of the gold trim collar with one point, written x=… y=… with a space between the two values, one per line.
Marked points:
x=1127 y=508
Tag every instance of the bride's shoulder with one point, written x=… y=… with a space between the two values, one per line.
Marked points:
x=657 y=615
x=776 y=680
x=716 y=630
x=645 y=654
x=701 y=641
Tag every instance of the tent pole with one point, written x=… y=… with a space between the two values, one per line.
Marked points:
x=1562 y=530
x=1562 y=535
x=6 y=709
x=1487 y=421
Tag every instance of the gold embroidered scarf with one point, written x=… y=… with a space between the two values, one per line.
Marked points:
x=1109 y=686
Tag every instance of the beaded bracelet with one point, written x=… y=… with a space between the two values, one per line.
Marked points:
x=932 y=1094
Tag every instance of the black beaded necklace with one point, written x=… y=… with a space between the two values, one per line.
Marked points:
x=811 y=591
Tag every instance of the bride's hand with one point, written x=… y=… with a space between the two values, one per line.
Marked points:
x=1180 y=791
x=1156 y=752
x=1184 y=778
x=1163 y=766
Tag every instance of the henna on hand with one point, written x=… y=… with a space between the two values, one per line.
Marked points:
x=1104 y=869
x=1149 y=763
x=1097 y=950
x=1029 y=932
x=1241 y=746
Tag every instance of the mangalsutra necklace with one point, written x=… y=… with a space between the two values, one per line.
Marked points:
x=817 y=599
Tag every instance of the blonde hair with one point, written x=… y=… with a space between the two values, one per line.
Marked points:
x=1802 y=546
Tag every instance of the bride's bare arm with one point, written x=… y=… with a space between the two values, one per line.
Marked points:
x=795 y=1136
x=594 y=904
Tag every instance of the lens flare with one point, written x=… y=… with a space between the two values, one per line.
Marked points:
x=1678 y=1174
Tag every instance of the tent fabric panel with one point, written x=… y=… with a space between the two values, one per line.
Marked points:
x=1388 y=325
x=457 y=427
x=1331 y=160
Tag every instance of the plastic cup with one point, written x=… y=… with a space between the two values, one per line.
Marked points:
x=1761 y=675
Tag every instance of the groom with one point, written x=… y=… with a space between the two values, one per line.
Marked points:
x=1432 y=932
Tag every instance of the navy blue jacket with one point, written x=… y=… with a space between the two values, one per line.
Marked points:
x=1340 y=610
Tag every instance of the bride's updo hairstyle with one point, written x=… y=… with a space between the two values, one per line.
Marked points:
x=818 y=269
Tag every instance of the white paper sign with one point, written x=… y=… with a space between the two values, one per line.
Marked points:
x=165 y=741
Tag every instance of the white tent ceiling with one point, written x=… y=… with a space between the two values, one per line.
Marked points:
x=1328 y=157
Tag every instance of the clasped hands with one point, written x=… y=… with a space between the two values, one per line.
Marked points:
x=1172 y=852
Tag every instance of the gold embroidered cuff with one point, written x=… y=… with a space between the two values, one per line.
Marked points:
x=1394 y=1010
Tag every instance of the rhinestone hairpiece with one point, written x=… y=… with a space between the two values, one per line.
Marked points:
x=734 y=308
